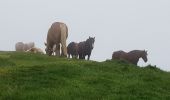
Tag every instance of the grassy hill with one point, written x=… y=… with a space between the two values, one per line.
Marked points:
x=25 y=76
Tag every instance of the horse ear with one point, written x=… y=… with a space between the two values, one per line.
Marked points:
x=146 y=51
x=45 y=43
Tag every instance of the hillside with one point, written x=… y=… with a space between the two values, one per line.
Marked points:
x=26 y=76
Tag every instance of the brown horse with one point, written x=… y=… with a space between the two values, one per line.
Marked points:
x=86 y=47
x=72 y=50
x=57 y=34
x=132 y=56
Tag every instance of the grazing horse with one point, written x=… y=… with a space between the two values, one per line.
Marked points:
x=132 y=56
x=86 y=47
x=21 y=47
x=72 y=49
x=57 y=34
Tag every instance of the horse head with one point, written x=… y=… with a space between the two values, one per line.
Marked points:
x=90 y=41
x=48 y=50
x=144 y=56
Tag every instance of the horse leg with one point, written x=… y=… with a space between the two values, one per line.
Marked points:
x=83 y=57
x=72 y=56
x=63 y=28
x=68 y=55
x=88 y=57
x=80 y=56
x=76 y=56
x=57 y=51
x=136 y=63
x=63 y=50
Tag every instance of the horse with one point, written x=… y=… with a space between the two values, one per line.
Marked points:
x=28 y=46
x=21 y=47
x=72 y=50
x=57 y=34
x=35 y=50
x=86 y=47
x=132 y=56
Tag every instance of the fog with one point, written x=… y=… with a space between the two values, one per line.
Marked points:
x=116 y=24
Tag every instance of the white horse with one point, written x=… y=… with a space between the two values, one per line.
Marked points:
x=28 y=46
x=21 y=47
x=35 y=50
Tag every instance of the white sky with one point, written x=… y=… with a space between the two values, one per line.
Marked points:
x=116 y=24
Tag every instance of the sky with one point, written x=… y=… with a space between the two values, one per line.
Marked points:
x=116 y=25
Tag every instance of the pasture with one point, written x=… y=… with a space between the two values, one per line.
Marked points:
x=27 y=76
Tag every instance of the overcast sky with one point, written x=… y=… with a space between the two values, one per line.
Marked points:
x=116 y=24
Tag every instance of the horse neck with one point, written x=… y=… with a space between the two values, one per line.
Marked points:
x=87 y=46
x=135 y=55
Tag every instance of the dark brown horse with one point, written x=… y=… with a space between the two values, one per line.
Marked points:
x=72 y=50
x=85 y=48
x=132 y=56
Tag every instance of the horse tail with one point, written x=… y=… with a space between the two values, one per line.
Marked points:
x=64 y=35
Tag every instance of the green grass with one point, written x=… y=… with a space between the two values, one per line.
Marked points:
x=26 y=76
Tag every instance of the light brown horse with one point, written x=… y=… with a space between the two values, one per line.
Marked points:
x=132 y=56
x=57 y=34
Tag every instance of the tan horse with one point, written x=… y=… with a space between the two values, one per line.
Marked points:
x=132 y=56
x=57 y=34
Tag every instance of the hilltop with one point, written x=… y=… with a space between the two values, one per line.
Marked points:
x=26 y=76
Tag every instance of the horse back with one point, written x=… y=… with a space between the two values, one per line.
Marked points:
x=54 y=34
x=72 y=48
x=118 y=54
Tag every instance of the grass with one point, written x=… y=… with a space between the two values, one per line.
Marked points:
x=26 y=76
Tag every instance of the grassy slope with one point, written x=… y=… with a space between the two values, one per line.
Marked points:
x=39 y=77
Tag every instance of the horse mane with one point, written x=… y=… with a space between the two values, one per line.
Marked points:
x=136 y=52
